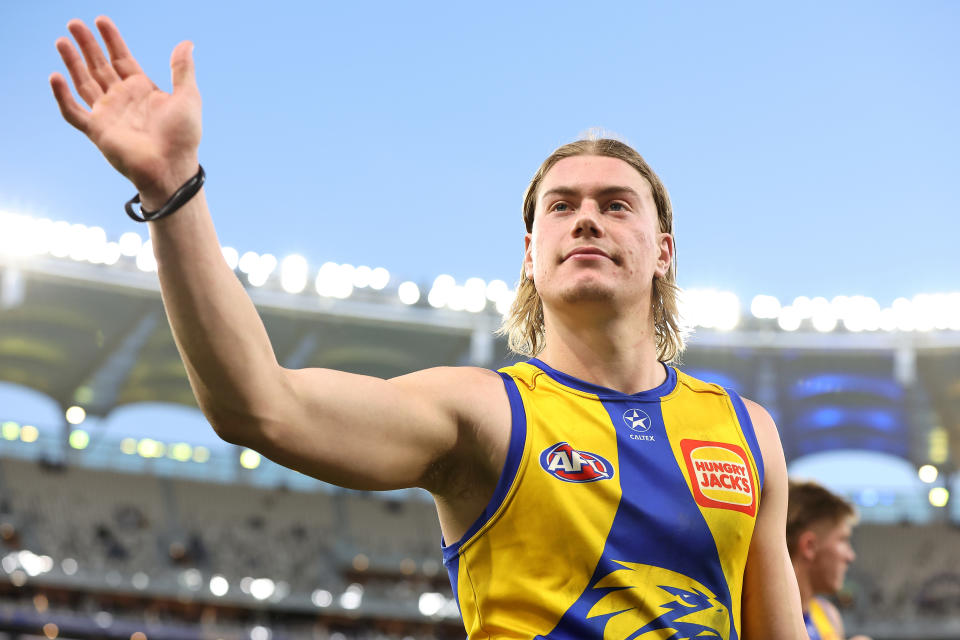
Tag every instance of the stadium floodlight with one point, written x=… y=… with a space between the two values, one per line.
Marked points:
x=249 y=459
x=430 y=603
x=362 y=276
x=803 y=307
x=352 y=597
x=75 y=415
x=379 y=279
x=475 y=290
x=10 y=430
x=29 y=433
x=201 y=454
x=111 y=254
x=439 y=294
x=496 y=289
x=257 y=278
x=140 y=580
x=69 y=566
x=823 y=320
x=262 y=588
x=150 y=448
x=130 y=243
x=321 y=598
x=248 y=262
x=938 y=496
x=888 y=319
x=408 y=292
x=928 y=473
x=903 y=314
x=457 y=298
x=181 y=451
x=505 y=301
x=79 y=439
x=293 y=273
x=765 y=307
x=361 y=562
x=128 y=446
x=219 y=586
x=232 y=256
x=259 y=632
x=146 y=261
x=789 y=318
x=103 y=619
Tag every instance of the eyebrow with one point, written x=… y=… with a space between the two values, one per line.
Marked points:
x=605 y=192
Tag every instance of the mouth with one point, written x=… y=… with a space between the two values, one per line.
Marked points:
x=588 y=253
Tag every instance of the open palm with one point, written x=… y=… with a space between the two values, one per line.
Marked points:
x=148 y=135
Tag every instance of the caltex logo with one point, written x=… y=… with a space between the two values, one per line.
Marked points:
x=637 y=420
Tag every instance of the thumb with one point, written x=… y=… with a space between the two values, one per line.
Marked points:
x=181 y=67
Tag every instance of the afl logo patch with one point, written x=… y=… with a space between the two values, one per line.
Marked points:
x=571 y=465
x=720 y=476
x=637 y=420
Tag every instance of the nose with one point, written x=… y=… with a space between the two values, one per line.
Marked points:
x=587 y=222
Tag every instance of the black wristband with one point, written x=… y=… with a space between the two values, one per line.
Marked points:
x=177 y=200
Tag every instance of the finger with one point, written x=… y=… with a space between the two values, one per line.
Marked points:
x=88 y=88
x=124 y=63
x=69 y=109
x=181 y=67
x=97 y=63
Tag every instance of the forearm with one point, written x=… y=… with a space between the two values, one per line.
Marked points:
x=221 y=338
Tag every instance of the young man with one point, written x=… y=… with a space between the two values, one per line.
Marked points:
x=819 y=524
x=593 y=493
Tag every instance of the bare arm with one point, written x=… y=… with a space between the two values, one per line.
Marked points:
x=351 y=430
x=771 y=598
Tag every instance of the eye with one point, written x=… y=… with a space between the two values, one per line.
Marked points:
x=617 y=206
x=560 y=207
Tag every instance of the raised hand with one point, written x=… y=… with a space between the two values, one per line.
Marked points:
x=148 y=135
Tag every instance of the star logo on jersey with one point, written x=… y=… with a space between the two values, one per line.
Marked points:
x=653 y=603
x=637 y=420
x=572 y=465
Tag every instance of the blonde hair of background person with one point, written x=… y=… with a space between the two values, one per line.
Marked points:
x=446 y=430
x=819 y=525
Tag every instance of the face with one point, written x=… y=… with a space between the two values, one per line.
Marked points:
x=833 y=554
x=596 y=236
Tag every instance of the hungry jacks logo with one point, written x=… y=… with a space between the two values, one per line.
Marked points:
x=720 y=476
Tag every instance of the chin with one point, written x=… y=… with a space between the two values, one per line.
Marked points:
x=587 y=292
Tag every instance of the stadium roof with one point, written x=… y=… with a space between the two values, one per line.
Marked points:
x=95 y=335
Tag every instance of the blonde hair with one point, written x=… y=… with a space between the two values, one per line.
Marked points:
x=523 y=325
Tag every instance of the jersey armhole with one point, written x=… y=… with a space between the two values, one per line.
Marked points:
x=749 y=433
x=511 y=465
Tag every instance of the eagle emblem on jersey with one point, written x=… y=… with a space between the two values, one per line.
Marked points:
x=656 y=603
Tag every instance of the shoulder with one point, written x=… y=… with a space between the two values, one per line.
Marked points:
x=476 y=399
x=453 y=385
x=768 y=436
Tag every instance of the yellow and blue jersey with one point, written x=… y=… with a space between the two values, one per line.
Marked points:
x=819 y=625
x=616 y=516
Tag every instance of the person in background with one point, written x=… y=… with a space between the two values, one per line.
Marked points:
x=819 y=525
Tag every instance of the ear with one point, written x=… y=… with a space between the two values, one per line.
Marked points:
x=665 y=259
x=807 y=545
x=528 y=256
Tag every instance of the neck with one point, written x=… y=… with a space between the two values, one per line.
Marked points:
x=618 y=352
x=806 y=589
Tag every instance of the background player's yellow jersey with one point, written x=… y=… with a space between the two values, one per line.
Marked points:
x=616 y=516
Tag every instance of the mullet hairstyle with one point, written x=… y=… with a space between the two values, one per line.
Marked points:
x=524 y=326
x=810 y=504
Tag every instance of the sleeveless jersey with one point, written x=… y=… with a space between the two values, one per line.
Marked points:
x=819 y=625
x=616 y=516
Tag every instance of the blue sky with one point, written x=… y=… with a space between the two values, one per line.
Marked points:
x=809 y=148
